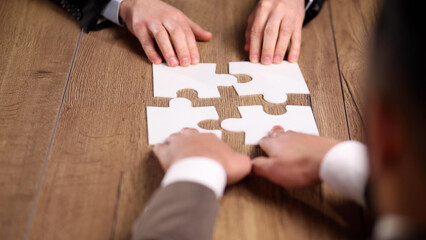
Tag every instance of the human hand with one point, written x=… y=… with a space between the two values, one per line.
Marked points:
x=190 y=143
x=294 y=159
x=272 y=26
x=171 y=29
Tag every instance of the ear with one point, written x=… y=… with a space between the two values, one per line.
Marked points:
x=385 y=137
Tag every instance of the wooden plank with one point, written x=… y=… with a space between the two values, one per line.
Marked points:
x=354 y=24
x=370 y=11
x=101 y=172
x=37 y=44
x=353 y=20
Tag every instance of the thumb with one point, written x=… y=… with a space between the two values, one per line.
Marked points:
x=263 y=166
x=199 y=33
x=161 y=152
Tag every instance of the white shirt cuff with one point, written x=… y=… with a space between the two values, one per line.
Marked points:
x=112 y=12
x=201 y=170
x=345 y=168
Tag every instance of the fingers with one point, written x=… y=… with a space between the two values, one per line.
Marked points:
x=271 y=143
x=189 y=131
x=184 y=132
x=276 y=131
x=262 y=166
x=178 y=37
x=176 y=40
x=296 y=42
x=192 y=46
x=161 y=151
x=164 y=151
x=184 y=36
x=162 y=38
x=270 y=39
x=247 y=33
x=199 y=33
x=283 y=41
x=147 y=43
x=256 y=32
x=275 y=24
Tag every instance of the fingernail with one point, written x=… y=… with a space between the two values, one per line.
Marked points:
x=185 y=61
x=266 y=60
x=277 y=59
x=293 y=58
x=157 y=60
x=254 y=58
x=195 y=59
x=173 y=61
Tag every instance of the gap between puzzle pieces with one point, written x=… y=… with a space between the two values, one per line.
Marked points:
x=164 y=121
x=274 y=82
x=256 y=124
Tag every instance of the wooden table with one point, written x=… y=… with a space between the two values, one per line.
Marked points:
x=74 y=158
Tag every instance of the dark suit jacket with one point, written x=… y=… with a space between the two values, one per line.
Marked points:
x=180 y=211
x=86 y=12
x=188 y=211
x=313 y=10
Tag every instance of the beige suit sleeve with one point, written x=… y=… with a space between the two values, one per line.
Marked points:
x=182 y=210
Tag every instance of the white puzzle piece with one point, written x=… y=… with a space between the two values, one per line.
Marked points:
x=273 y=81
x=256 y=123
x=201 y=77
x=164 y=121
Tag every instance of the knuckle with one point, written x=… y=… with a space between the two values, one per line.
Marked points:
x=270 y=30
x=285 y=30
x=290 y=133
x=256 y=31
x=266 y=51
x=279 y=53
x=158 y=32
x=264 y=141
x=176 y=31
x=169 y=55
x=138 y=25
x=182 y=50
x=264 y=4
x=175 y=15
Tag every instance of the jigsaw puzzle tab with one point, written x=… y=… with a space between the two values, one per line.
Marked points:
x=272 y=81
x=256 y=123
x=201 y=77
x=164 y=121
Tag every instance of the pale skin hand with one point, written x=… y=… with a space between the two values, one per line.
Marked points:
x=293 y=158
x=191 y=143
x=154 y=20
x=274 y=27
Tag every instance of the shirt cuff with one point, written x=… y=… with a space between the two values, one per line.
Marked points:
x=201 y=170
x=345 y=168
x=308 y=5
x=112 y=12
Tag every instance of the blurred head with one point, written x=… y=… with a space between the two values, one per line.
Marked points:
x=396 y=110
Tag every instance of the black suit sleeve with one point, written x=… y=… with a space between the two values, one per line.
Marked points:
x=86 y=12
x=313 y=11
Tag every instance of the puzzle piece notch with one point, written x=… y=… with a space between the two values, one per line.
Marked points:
x=201 y=77
x=256 y=123
x=272 y=81
x=164 y=121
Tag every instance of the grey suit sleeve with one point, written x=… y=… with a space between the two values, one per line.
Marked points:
x=182 y=210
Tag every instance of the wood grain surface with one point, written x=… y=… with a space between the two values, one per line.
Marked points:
x=36 y=54
x=353 y=24
x=74 y=157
